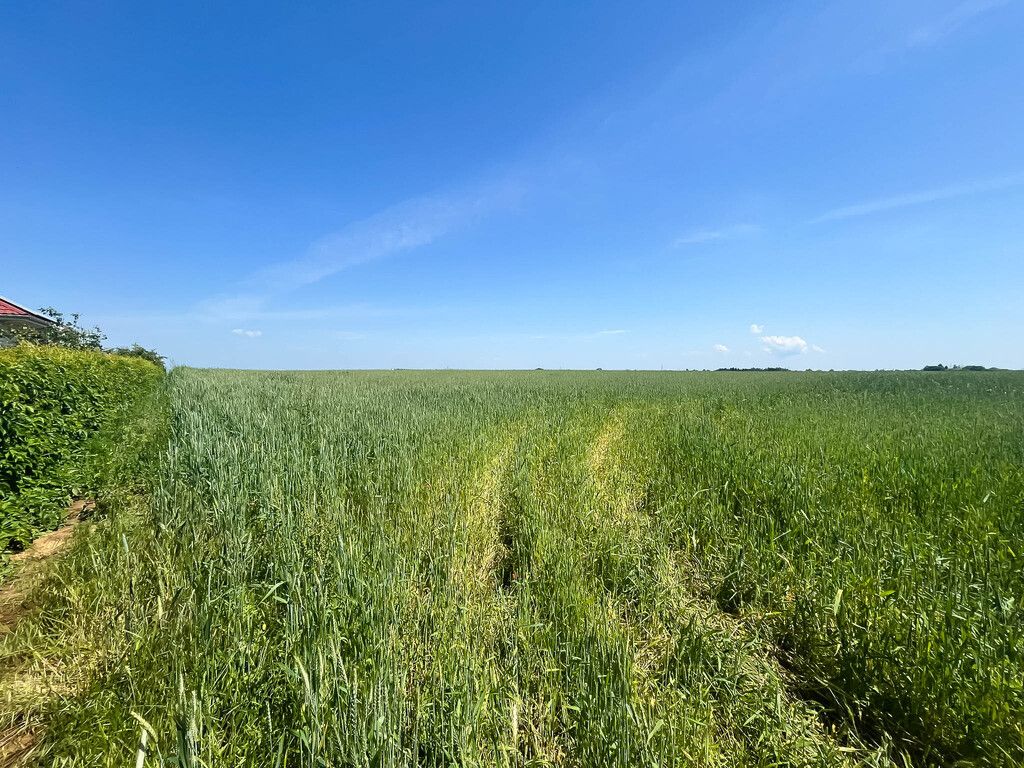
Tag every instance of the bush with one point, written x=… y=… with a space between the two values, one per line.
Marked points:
x=51 y=400
x=135 y=350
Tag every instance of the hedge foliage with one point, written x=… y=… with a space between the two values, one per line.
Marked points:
x=51 y=401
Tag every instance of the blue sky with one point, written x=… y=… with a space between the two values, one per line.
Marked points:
x=492 y=185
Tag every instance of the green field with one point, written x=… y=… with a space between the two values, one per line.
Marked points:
x=551 y=568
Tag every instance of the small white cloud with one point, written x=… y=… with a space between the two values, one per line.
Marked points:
x=720 y=348
x=756 y=329
x=816 y=348
x=784 y=345
x=612 y=332
x=249 y=333
x=349 y=335
x=698 y=236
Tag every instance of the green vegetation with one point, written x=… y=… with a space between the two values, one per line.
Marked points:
x=136 y=350
x=66 y=332
x=52 y=400
x=534 y=568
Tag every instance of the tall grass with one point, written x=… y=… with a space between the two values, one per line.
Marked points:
x=555 y=569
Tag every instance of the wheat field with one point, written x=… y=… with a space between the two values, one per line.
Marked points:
x=550 y=568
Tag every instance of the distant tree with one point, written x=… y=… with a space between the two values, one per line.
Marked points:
x=135 y=350
x=63 y=332
x=939 y=367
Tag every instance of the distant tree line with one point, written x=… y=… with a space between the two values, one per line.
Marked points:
x=749 y=370
x=941 y=367
x=65 y=331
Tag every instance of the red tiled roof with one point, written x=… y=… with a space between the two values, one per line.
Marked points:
x=10 y=309
x=6 y=308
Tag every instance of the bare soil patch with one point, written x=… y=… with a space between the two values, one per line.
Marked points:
x=29 y=564
x=16 y=746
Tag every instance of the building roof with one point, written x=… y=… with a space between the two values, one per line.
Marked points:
x=8 y=309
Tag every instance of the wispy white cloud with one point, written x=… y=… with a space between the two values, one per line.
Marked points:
x=249 y=308
x=403 y=227
x=756 y=329
x=882 y=204
x=247 y=332
x=720 y=348
x=613 y=332
x=699 y=236
x=927 y=33
x=945 y=25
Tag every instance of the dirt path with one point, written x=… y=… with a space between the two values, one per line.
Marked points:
x=29 y=564
x=17 y=741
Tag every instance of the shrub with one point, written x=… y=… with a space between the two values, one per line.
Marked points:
x=51 y=400
x=136 y=350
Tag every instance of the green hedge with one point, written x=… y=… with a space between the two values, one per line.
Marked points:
x=51 y=401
